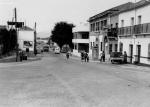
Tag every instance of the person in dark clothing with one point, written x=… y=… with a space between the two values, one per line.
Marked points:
x=87 y=57
x=125 y=57
x=103 y=56
x=67 y=55
x=82 y=56
x=21 y=55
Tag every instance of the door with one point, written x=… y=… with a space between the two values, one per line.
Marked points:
x=138 y=53
x=130 y=52
x=95 y=53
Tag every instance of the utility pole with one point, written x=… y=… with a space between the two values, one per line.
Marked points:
x=35 y=51
x=17 y=45
x=17 y=26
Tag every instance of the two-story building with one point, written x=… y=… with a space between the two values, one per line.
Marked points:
x=80 y=39
x=103 y=31
x=134 y=32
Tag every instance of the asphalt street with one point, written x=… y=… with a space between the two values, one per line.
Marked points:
x=55 y=81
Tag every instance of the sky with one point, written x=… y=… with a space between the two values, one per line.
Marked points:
x=46 y=13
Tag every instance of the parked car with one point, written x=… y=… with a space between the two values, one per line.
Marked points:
x=57 y=50
x=46 y=48
x=116 y=57
x=39 y=50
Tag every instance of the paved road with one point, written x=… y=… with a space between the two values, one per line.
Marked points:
x=57 y=82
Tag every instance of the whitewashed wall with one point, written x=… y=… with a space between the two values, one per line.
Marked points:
x=25 y=36
x=139 y=40
x=143 y=11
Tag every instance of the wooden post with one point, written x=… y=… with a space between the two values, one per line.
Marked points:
x=35 y=51
x=17 y=45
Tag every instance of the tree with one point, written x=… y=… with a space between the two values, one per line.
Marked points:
x=62 y=34
x=8 y=40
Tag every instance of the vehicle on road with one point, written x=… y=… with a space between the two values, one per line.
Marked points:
x=39 y=50
x=46 y=48
x=57 y=50
x=116 y=57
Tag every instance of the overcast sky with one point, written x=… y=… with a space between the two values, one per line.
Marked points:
x=47 y=12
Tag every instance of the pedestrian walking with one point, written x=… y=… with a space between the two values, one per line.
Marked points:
x=67 y=55
x=82 y=56
x=103 y=56
x=87 y=57
x=21 y=55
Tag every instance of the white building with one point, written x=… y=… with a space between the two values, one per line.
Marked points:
x=81 y=39
x=103 y=31
x=134 y=32
x=26 y=38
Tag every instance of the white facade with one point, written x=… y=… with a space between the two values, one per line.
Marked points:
x=92 y=40
x=80 y=42
x=26 y=37
x=142 y=40
x=81 y=39
x=143 y=12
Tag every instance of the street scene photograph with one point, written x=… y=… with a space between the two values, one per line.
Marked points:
x=74 y=53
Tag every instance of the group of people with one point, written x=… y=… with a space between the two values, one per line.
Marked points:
x=84 y=56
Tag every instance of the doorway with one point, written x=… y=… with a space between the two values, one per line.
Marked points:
x=138 y=47
x=130 y=53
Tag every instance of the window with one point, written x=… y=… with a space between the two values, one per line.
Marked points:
x=110 y=48
x=91 y=45
x=91 y=27
x=121 y=47
x=139 y=19
x=75 y=46
x=97 y=39
x=116 y=25
x=132 y=21
x=122 y=23
x=101 y=27
x=111 y=25
x=98 y=26
x=85 y=36
x=116 y=47
x=105 y=23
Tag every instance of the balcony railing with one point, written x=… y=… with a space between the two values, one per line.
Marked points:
x=112 y=33
x=136 y=29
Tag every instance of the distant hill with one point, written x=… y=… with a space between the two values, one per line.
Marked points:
x=43 y=34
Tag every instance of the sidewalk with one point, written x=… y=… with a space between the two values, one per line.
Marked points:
x=11 y=59
x=141 y=67
x=90 y=60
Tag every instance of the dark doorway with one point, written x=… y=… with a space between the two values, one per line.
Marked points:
x=138 y=53
x=130 y=53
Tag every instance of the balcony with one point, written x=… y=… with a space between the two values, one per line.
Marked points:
x=112 y=33
x=134 y=30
